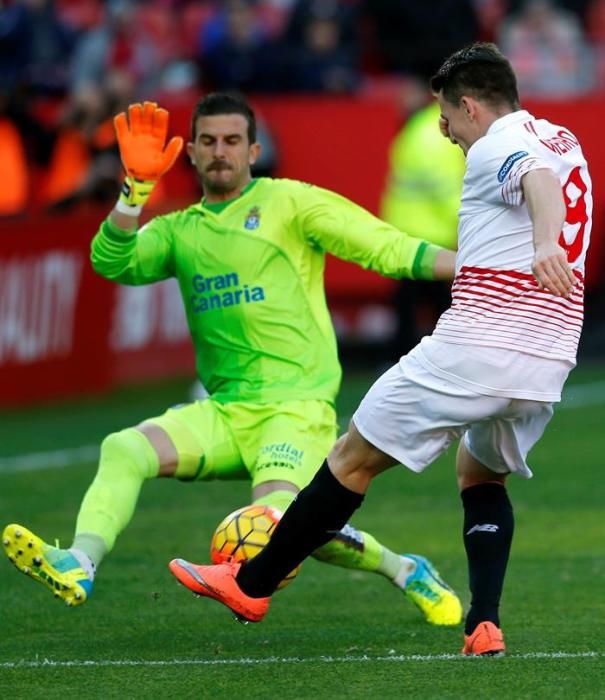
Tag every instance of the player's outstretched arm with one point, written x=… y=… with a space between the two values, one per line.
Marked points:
x=145 y=157
x=444 y=267
x=347 y=231
x=542 y=191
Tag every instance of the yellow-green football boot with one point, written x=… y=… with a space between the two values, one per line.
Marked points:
x=58 y=569
x=427 y=590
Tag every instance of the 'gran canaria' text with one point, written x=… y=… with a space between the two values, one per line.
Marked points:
x=221 y=291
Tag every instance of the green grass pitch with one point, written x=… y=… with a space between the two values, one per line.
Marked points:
x=333 y=633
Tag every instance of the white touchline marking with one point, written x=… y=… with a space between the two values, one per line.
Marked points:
x=37 y=461
x=575 y=396
x=45 y=663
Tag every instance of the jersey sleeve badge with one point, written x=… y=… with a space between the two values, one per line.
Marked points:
x=508 y=164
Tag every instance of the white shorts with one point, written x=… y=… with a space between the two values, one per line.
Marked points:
x=414 y=416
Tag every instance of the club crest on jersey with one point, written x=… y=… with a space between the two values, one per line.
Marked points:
x=253 y=219
x=508 y=164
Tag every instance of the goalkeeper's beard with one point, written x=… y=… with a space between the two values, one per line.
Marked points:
x=217 y=186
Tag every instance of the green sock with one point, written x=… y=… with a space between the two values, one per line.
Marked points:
x=277 y=499
x=127 y=459
x=351 y=548
x=356 y=549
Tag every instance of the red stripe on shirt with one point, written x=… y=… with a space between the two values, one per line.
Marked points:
x=507 y=308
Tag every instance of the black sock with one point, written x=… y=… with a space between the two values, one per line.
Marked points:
x=319 y=512
x=488 y=533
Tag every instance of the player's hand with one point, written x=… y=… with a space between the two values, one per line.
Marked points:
x=143 y=149
x=444 y=128
x=552 y=271
x=142 y=139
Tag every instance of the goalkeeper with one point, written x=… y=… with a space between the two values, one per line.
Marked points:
x=249 y=259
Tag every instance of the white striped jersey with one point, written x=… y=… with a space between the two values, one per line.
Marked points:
x=502 y=335
x=496 y=302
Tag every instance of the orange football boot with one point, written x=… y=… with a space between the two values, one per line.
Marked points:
x=486 y=640
x=218 y=581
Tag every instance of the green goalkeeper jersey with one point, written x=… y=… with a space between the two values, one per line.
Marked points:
x=251 y=275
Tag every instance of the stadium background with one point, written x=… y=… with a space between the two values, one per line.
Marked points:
x=64 y=331
x=80 y=357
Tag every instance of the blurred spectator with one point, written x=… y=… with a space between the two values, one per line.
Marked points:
x=548 y=50
x=275 y=15
x=14 y=173
x=85 y=162
x=104 y=54
x=82 y=15
x=415 y=36
x=346 y=14
x=119 y=44
x=162 y=24
x=490 y=14
x=422 y=198
x=192 y=21
x=114 y=64
x=35 y=48
x=577 y=7
x=595 y=22
x=26 y=143
x=236 y=52
x=323 y=48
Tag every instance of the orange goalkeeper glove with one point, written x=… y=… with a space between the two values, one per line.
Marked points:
x=145 y=157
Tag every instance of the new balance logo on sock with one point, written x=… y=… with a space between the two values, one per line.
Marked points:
x=488 y=527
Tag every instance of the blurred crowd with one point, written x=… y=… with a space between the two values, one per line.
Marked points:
x=66 y=66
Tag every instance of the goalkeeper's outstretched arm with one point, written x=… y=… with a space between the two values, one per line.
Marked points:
x=145 y=157
x=346 y=230
x=444 y=266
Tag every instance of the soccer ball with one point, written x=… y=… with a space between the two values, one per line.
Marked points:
x=242 y=535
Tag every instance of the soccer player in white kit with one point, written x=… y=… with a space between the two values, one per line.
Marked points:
x=492 y=369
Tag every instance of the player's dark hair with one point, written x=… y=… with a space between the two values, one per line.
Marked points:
x=480 y=71
x=224 y=103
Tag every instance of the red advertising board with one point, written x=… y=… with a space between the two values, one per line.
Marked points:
x=64 y=330
x=52 y=333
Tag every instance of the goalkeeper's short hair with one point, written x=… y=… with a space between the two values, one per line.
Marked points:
x=224 y=103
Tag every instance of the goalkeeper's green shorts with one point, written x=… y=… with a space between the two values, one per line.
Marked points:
x=262 y=442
